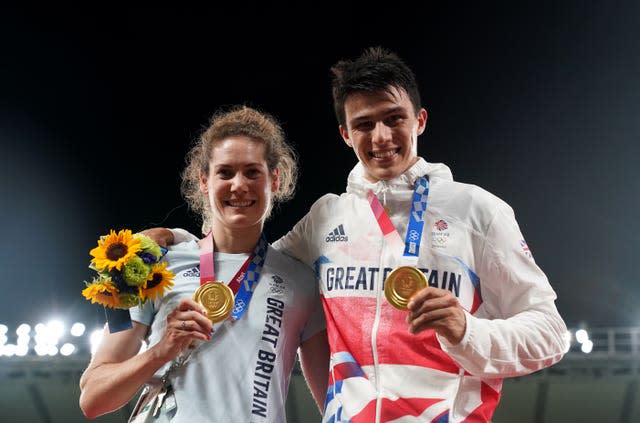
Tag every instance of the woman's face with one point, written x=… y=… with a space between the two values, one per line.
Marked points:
x=239 y=185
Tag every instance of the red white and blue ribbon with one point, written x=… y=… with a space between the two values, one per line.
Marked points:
x=244 y=283
x=413 y=237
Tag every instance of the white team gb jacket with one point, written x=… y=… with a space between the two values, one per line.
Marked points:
x=472 y=246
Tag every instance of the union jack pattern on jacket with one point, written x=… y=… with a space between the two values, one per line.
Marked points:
x=471 y=245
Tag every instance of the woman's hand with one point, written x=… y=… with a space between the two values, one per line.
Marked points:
x=186 y=323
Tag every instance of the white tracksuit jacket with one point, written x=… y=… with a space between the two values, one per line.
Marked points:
x=472 y=246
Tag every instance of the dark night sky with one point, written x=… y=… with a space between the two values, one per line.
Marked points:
x=538 y=104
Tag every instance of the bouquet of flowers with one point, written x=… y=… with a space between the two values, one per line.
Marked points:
x=129 y=271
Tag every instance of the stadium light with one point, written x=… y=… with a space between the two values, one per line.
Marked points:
x=55 y=337
x=587 y=346
x=67 y=349
x=78 y=329
x=582 y=336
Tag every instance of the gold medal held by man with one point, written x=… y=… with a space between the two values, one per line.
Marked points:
x=217 y=298
x=401 y=284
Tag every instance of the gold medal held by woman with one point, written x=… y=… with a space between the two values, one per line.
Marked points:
x=217 y=298
x=401 y=284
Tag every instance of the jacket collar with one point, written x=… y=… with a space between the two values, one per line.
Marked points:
x=359 y=185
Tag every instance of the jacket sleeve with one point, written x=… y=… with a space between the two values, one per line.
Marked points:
x=518 y=329
x=299 y=241
x=182 y=235
x=294 y=243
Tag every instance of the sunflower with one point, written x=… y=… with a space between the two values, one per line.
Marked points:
x=114 y=250
x=159 y=280
x=103 y=292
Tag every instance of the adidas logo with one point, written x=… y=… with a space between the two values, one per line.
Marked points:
x=337 y=235
x=192 y=273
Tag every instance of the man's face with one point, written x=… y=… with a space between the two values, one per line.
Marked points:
x=382 y=128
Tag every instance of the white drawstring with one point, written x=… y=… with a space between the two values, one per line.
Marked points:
x=382 y=187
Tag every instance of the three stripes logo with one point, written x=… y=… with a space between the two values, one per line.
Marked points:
x=337 y=235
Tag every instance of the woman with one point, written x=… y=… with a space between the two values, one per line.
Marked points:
x=200 y=365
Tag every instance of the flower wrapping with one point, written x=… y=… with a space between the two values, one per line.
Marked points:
x=129 y=271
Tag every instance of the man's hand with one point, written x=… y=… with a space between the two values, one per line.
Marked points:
x=439 y=309
x=162 y=236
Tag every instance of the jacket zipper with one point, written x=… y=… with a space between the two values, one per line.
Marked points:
x=376 y=322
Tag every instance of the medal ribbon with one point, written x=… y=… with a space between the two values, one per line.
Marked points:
x=246 y=278
x=415 y=227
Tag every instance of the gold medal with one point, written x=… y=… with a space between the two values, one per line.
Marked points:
x=401 y=284
x=217 y=298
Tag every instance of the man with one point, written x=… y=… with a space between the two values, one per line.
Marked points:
x=487 y=311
